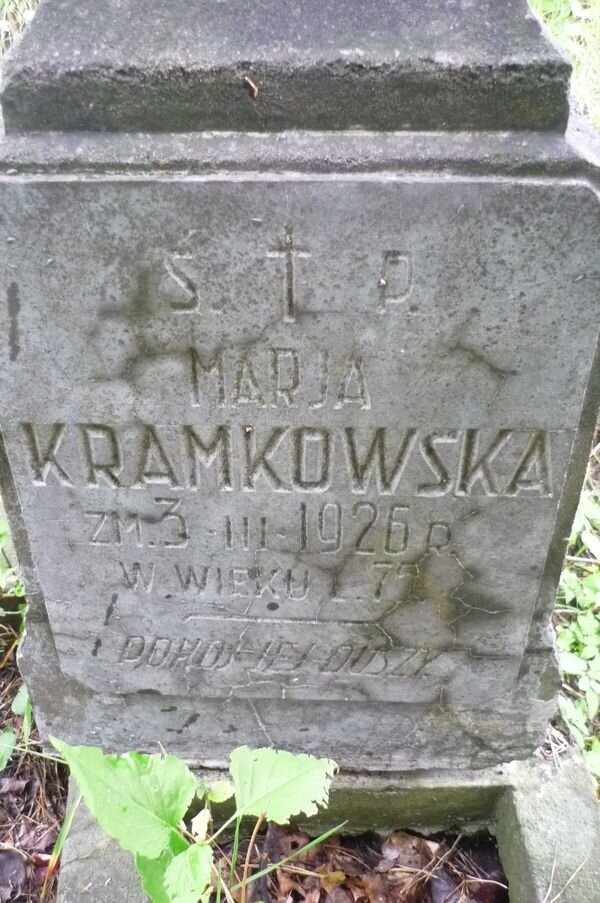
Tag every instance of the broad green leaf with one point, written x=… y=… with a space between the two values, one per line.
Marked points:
x=152 y=871
x=137 y=799
x=592 y=583
x=565 y=639
x=592 y=759
x=19 y=703
x=588 y=622
x=4 y=532
x=220 y=791
x=575 y=718
x=592 y=542
x=594 y=668
x=571 y=663
x=8 y=739
x=188 y=876
x=592 y=701
x=27 y=723
x=278 y=784
x=569 y=585
x=200 y=823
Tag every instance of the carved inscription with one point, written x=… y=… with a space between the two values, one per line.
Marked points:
x=167 y=528
x=289 y=253
x=279 y=378
x=272 y=656
x=288 y=499
x=395 y=282
x=286 y=458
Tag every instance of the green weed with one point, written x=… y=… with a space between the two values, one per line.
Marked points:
x=10 y=581
x=141 y=801
x=578 y=626
x=575 y=27
x=14 y=16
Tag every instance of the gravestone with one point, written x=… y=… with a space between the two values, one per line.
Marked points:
x=298 y=374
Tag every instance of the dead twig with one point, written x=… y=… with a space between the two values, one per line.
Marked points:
x=259 y=822
x=566 y=884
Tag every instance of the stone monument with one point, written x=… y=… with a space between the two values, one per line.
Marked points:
x=296 y=411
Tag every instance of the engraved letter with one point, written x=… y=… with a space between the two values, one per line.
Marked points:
x=42 y=464
x=290 y=580
x=155 y=466
x=375 y=461
x=536 y=456
x=323 y=381
x=474 y=468
x=190 y=577
x=133 y=649
x=391 y=547
x=396 y=279
x=431 y=457
x=246 y=387
x=257 y=463
x=137 y=577
x=200 y=370
x=292 y=371
x=353 y=386
x=199 y=452
x=320 y=441
x=111 y=468
x=438 y=536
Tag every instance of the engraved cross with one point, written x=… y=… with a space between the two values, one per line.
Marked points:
x=290 y=252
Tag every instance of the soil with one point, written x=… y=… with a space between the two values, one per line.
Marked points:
x=33 y=793
x=401 y=868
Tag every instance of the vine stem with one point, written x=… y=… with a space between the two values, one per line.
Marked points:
x=259 y=822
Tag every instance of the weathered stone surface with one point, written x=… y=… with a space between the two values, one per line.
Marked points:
x=286 y=442
x=94 y=867
x=297 y=421
x=548 y=829
x=143 y=65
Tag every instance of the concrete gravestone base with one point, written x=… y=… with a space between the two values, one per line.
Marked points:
x=546 y=820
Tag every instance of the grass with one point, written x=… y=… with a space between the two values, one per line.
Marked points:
x=577 y=621
x=575 y=27
x=14 y=16
x=33 y=787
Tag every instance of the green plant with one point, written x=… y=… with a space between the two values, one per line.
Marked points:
x=14 y=15
x=141 y=801
x=578 y=631
x=20 y=706
x=575 y=26
x=10 y=581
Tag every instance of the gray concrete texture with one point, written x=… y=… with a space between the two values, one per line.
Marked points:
x=286 y=466
x=146 y=65
x=294 y=441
